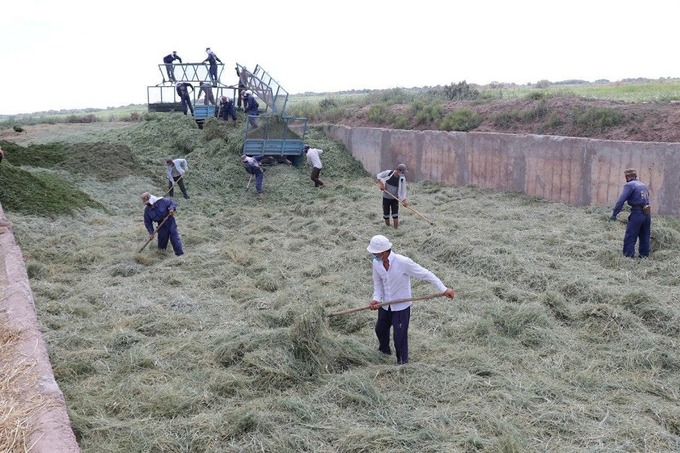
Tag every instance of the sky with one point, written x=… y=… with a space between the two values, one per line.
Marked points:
x=76 y=54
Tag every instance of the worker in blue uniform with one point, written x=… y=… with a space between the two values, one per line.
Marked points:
x=251 y=108
x=252 y=166
x=162 y=211
x=169 y=66
x=183 y=92
x=639 y=225
x=212 y=60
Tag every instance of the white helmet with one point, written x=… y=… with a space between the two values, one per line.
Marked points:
x=248 y=93
x=379 y=244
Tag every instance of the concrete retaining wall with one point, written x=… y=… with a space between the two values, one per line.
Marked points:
x=576 y=171
x=50 y=425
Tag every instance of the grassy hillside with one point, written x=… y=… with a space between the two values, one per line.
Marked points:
x=554 y=342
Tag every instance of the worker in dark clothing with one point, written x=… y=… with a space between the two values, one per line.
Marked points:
x=251 y=108
x=242 y=85
x=206 y=88
x=212 y=59
x=183 y=92
x=252 y=166
x=392 y=183
x=162 y=211
x=639 y=224
x=227 y=109
x=169 y=66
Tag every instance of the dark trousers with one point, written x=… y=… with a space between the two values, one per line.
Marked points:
x=180 y=183
x=170 y=69
x=186 y=103
x=639 y=227
x=259 y=177
x=397 y=320
x=168 y=232
x=390 y=204
x=315 y=177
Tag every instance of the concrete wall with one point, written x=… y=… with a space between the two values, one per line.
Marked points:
x=576 y=171
x=50 y=424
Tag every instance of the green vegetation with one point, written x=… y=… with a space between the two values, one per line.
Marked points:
x=461 y=120
x=554 y=342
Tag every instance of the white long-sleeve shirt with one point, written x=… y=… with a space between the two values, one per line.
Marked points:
x=178 y=165
x=313 y=157
x=396 y=283
x=398 y=190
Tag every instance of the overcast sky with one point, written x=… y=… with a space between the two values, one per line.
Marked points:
x=65 y=54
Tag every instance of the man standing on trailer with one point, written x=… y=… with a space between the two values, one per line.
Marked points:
x=169 y=66
x=212 y=59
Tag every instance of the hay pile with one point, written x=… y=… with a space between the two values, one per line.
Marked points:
x=553 y=342
x=17 y=406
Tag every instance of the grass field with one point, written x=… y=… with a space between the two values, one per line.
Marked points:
x=554 y=342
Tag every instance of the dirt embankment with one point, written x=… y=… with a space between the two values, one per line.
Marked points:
x=562 y=116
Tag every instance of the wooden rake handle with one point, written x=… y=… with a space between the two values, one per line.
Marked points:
x=408 y=207
x=153 y=235
x=397 y=301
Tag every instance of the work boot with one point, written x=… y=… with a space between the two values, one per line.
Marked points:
x=387 y=222
x=396 y=223
x=186 y=197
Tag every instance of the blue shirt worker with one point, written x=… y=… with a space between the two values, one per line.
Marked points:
x=252 y=166
x=162 y=211
x=393 y=185
x=639 y=225
x=169 y=66
x=212 y=60
x=314 y=159
x=183 y=92
x=392 y=281
x=251 y=108
x=175 y=169
x=227 y=109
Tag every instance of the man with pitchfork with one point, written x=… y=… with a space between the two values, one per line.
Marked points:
x=393 y=185
x=162 y=211
x=392 y=281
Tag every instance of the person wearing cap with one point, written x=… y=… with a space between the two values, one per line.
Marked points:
x=175 y=169
x=392 y=281
x=169 y=66
x=393 y=186
x=162 y=211
x=227 y=109
x=314 y=159
x=183 y=92
x=252 y=166
x=212 y=60
x=251 y=108
x=639 y=226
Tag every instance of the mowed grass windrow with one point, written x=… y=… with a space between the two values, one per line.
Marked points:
x=554 y=341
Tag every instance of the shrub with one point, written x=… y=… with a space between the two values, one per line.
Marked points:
x=461 y=120
x=378 y=114
x=460 y=91
x=400 y=122
x=429 y=114
x=598 y=118
x=327 y=104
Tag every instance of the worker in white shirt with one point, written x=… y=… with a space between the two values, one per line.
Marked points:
x=314 y=159
x=392 y=281
x=175 y=170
